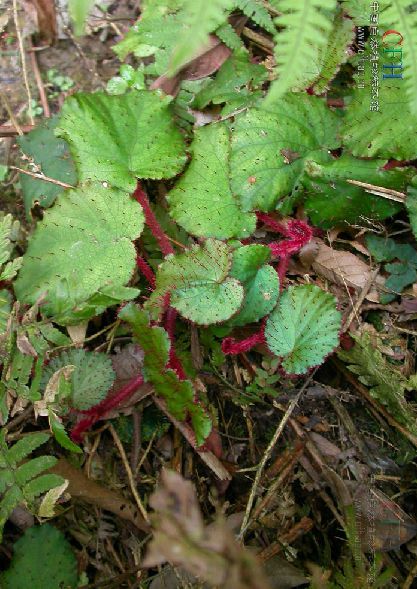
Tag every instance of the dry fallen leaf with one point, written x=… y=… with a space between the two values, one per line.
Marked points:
x=344 y=268
x=211 y=553
x=88 y=490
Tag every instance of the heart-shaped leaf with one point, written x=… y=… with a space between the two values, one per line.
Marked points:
x=203 y=202
x=303 y=328
x=120 y=138
x=259 y=279
x=199 y=285
x=81 y=250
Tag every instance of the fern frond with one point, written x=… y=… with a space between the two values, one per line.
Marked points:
x=257 y=12
x=228 y=35
x=200 y=18
x=401 y=15
x=307 y=24
x=22 y=483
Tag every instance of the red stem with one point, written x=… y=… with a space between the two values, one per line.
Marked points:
x=173 y=362
x=98 y=411
x=152 y=222
x=231 y=346
x=146 y=270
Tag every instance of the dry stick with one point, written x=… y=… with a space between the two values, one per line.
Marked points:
x=380 y=191
x=268 y=452
x=23 y=59
x=42 y=177
x=366 y=288
x=11 y=131
x=15 y=123
x=39 y=83
x=410 y=577
x=129 y=473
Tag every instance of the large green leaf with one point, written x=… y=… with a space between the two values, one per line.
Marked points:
x=269 y=148
x=203 y=202
x=331 y=199
x=52 y=155
x=83 y=247
x=178 y=394
x=198 y=283
x=303 y=328
x=259 y=279
x=120 y=138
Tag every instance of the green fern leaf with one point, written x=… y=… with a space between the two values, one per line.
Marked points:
x=22 y=483
x=199 y=285
x=260 y=282
x=303 y=328
x=386 y=384
x=334 y=54
x=358 y=10
x=83 y=245
x=270 y=149
x=91 y=379
x=43 y=556
x=202 y=202
x=200 y=18
x=256 y=11
x=5 y=308
x=227 y=34
x=118 y=139
x=178 y=394
x=401 y=15
x=307 y=24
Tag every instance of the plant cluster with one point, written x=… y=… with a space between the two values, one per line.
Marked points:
x=109 y=246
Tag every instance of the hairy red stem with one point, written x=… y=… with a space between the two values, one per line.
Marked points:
x=231 y=346
x=152 y=222
x=98 y=411
x=173 y=362
x=146 y=270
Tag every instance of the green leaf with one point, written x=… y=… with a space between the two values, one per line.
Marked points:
x=3 y=172
x=91 y=378
x=411 y=204
x=203 y=202
x=44 y=559
x=258 y=13
x=335 y=53
x=358 y=10
x=52 y=155
x=386 y=383
x=61 y=435
x=116 y=86
x=307 y=24
x=260 y=282
x=83 y=244
x=234 y=84
x=401 y=15
x=330 y=199
x=5 y=309
x=199 y=285
x=270 y=148
x=199 y=18
x=178 y=394
x=117 y=139
x=303 y=328
x=384 y=132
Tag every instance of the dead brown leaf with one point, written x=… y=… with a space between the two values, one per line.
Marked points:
x=344 y=268
x=92 y=492
x=211 y=553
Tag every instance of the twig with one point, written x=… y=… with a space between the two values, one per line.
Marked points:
x=410 y=577
x=300 y=528
x=128 y=472
x=39 y=83
x=366 y=288
x=258 y=39
x=15 y=123
x=42 y=177
x=268 y=453
x=23 y=59
x=11 y=130
x=388 y=193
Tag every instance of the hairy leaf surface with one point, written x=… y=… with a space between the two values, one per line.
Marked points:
x=117 y=139
x=203 y=202
x=199 y=285
x=82 y=246
x=303 y=328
